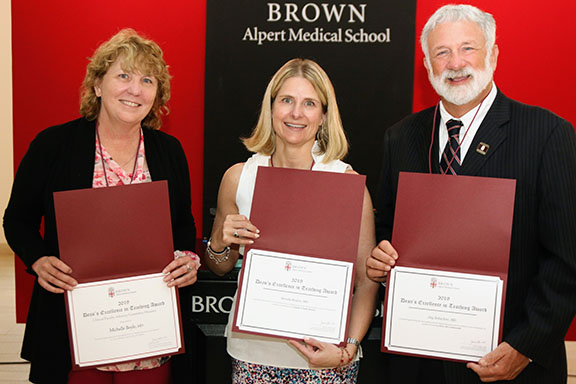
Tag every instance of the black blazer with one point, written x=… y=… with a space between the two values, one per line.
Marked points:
x=62 y=158
x=538 y=150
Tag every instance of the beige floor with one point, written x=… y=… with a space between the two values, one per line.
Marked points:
x=12 y=368
x=15 y=370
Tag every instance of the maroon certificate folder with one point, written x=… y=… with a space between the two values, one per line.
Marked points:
x=116 y=232
x=308 y=213
x=105 y=233
x=455 y=224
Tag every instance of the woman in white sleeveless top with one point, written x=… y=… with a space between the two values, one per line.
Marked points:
x=299 y=127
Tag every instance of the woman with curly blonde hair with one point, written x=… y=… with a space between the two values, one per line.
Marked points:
x=116 y=142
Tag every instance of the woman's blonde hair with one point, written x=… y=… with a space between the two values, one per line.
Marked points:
x=331 y=138
x=137 y=54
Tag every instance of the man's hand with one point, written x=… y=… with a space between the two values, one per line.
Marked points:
x=503 y=363
x=381 y=260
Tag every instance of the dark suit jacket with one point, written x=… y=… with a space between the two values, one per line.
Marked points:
x=62 y=158
x=538 y=150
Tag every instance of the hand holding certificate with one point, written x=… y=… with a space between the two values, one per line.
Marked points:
x=122 y=310
x=445 y=296
x=298 y=282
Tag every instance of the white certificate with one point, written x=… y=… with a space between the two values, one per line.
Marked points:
x=294 y=296
x=123 y=319
x=442 y=314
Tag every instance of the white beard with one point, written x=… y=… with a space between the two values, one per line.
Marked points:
x=465 y=93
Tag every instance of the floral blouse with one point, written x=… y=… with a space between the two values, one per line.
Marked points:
x=114 y=173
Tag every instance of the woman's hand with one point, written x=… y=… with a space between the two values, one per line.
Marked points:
x=183 y=270
x=54 y=274
x=236 y=229
x=325 y=355
x=382 y=258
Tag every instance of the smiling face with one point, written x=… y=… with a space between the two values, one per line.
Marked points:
x=296 y=113
x=460 y=67
x=126 y=97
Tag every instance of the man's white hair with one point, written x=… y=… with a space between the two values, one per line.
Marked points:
x=457 y=12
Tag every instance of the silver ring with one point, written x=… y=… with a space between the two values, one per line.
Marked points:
x=188 y=268
x=236 y=234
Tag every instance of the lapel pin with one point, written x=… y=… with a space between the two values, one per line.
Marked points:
x=482 y=148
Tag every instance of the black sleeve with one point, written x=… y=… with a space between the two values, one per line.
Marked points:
x=27 y=204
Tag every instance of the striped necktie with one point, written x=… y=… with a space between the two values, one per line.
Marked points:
x=451 y=162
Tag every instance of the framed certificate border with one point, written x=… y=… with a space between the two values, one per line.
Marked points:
x=290 y=298
x=433 y=307
x=121 y=318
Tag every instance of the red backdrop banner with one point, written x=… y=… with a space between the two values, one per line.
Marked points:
x=51 y=43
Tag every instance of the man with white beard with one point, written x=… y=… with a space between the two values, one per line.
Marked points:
x=495 y=137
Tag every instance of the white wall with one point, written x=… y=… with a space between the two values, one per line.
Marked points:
x=6 y=145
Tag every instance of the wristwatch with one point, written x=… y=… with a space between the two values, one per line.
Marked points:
x=352 y=340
